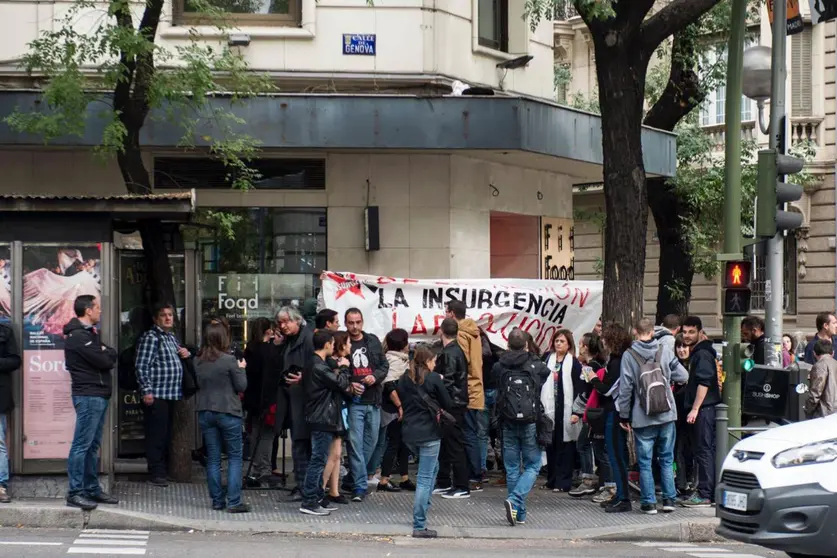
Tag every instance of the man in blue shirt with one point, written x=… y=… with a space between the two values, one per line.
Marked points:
x=159 y=369
x=826 y=329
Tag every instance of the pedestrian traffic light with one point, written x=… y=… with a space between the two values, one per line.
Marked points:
x=771 y=191
x=737 y=288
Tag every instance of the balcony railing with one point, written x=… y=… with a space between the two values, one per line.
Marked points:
x=718 y=133
x=806 y=129
x=564 y=10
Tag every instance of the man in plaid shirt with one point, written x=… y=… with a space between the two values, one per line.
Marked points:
x=160 y=377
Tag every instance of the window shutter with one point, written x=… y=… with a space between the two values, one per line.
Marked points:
x=801 y=94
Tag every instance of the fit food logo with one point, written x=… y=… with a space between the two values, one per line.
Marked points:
x=227 y=302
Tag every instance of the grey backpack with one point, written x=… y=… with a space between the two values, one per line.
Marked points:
x=652 y=386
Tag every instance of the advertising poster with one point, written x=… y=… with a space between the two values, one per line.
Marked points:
x=5 y=284
x=540 y=307
x=53 y=276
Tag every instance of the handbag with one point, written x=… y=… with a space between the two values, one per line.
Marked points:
x=442 y=417
x=189 y=382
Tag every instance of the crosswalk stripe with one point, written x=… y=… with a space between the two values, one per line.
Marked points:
x=730 y=555
x=107 y=536
x=110 y=542
x=713 y=550
x=671 y=545
x=29 y=543
x=117 y=532
x=679 y=548
x=109 y=551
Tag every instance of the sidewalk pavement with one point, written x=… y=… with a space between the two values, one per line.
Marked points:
x=187 y=507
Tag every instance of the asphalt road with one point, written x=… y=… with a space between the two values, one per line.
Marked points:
x=41 y=543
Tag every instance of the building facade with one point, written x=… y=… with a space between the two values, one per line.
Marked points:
x=810 y=285
x=370 y=130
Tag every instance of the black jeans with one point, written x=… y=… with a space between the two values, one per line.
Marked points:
x=560 y=460
x=683 y=452
x=158 y=424
x=703 y=442
x=301 y=454
x=395 y=448
x=452 y=455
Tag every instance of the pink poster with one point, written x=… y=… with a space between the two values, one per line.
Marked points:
x=52 y=279
x=48 y=415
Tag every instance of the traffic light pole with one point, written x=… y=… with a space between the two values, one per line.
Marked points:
x=774 y=294
x=732 y=205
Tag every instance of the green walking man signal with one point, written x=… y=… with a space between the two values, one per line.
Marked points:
x=772 y=191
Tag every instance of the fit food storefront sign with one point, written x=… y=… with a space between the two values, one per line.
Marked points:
x=557 y=249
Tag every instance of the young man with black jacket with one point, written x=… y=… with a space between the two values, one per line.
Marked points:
x=90 y=364
x=324 y=391
x=703 y=393
x=9 y=363
x=453 y=367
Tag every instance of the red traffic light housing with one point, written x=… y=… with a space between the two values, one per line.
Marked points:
x=737 y=274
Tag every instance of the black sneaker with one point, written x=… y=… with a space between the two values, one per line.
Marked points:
x=104 y=498
x=619 y=507
x=387 y=487
x=219 y=507
x=668 y=505
x=408 y=485
x=339 y=499
x=326 y=504
x=159 y=482
x=424 y=534
x=314 y=510
x=240 y=508
x=456 y=494
x=359 y=496
x=81 y=502
x=442 y=489
x=511 y=513
x=648 y=509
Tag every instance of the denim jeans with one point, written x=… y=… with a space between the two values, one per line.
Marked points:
x=4 y=453
x=520 y=443
x=428 y=456
x=364 y=425
x=476 y=430
x=312 y=489
x=83 y=461
x=222 y=430
x=616 y=452
x=300 y=453
x=584 y=445
x=490 y=400
x=378 y=453
x=657 y=440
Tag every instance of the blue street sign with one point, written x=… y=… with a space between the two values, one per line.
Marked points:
x=363 y=45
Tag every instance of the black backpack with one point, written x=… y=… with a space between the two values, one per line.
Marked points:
x=518 y=395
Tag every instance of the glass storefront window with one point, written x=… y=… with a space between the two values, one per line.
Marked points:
x=53 y=276
x=273 y=257
x=5 y=283
x=134 y=320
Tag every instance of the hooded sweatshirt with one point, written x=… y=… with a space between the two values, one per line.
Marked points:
x=673 y=371
x=471 y=344
x=703 y=372
x=664 y=336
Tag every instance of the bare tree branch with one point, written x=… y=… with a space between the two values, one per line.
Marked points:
x=683 y=92
x=671 y=19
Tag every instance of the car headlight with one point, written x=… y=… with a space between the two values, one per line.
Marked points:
x=809 y=454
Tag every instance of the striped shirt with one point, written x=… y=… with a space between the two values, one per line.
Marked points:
x=159 y=369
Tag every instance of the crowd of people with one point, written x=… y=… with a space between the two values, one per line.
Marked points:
x=623 y=410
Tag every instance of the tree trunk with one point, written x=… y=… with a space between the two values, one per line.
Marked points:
x=621 y=74
x=160 y=288
x=675 y=277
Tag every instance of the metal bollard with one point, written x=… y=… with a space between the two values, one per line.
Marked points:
x=721 y=437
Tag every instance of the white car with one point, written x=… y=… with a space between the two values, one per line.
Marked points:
x=778 y=489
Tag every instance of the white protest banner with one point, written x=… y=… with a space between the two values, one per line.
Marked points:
x=540 y=307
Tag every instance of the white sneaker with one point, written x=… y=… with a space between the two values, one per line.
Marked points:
x=374 y=481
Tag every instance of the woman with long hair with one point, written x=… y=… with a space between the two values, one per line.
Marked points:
x=397 y=351
x=591 y=446
x=616 y=340
x=220 y=381
x=683 y=455
x=557 y=397
x=422 y=394
x=261 y=355
x=331 y=473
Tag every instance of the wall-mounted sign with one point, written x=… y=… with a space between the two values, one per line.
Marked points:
x=362 y=45
x=557 y=249
x=822 y=10
x=794 y=18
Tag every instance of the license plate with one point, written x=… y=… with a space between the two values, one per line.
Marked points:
x=735 y=501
